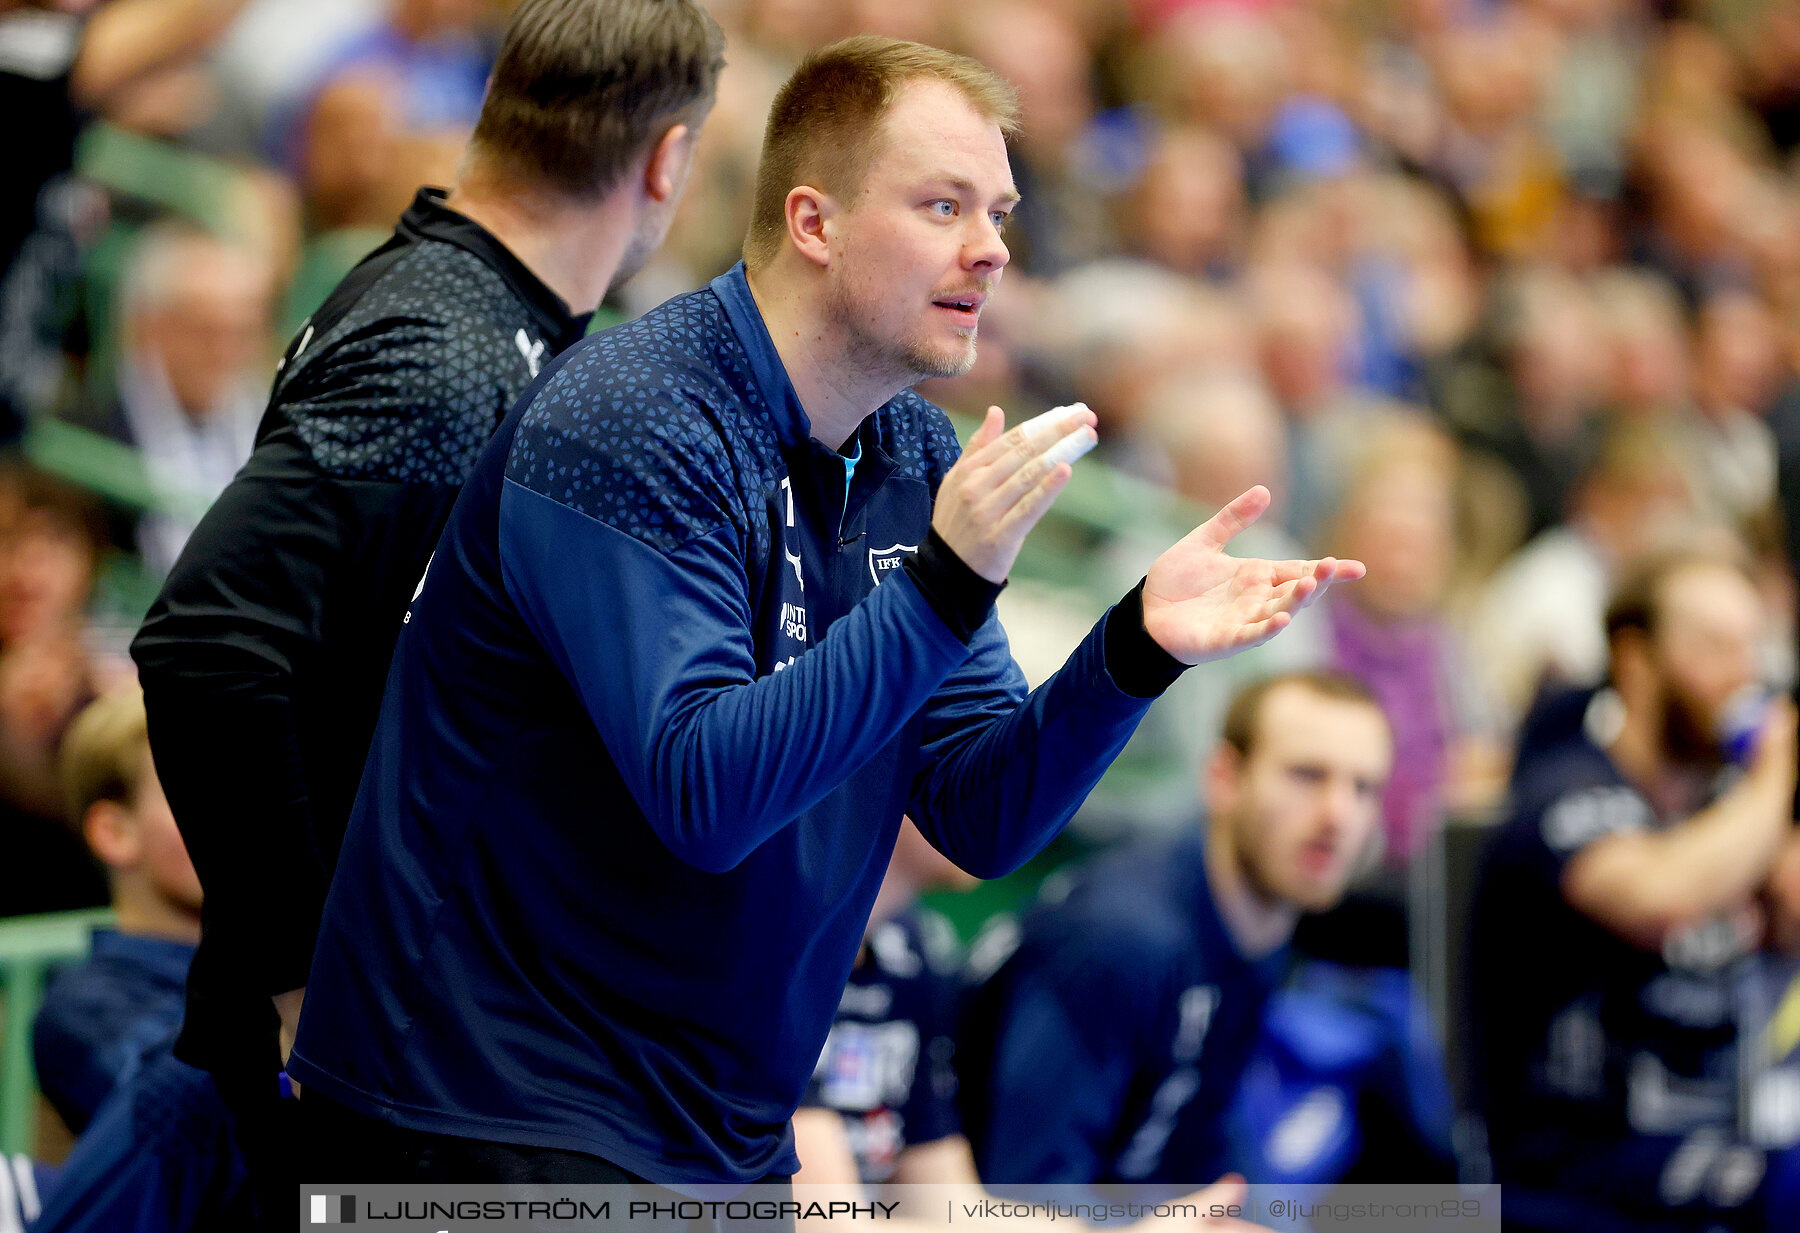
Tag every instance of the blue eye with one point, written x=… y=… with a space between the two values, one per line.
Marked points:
x=948 y=210
x=1001 y=219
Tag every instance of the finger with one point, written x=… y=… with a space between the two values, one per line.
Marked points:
x=1255 y=633
x=1330 y=570
x=1039 y=425
x=1029 y=440
x=1327 y=569
x=1025 y=512
x=1288 y=571
x=1033 y=473
x=1016 y=464
x=1228 y=523
x=1072 y=446
x=1289 y=597
x=993 y=424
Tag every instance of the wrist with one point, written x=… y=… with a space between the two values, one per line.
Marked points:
x=961 y=597
x=1137 y=663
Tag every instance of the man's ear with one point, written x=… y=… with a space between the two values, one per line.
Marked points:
x=111 y=831
x=665 y=170
x=809 y=211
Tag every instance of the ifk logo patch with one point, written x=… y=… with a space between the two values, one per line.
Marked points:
x=333 y=1209
x=882 y=560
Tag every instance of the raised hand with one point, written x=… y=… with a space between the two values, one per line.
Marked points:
x=1004 y=483
x=1201 y=603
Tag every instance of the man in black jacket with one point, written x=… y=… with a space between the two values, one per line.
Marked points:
x=264 y=657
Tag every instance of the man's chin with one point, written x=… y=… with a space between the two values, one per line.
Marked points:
x=928 y=365
x=1318 y=894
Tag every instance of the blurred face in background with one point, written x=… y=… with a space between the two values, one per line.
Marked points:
x=1400 y=521
x=1187 y=212
x=1737 y=355
x=1558 y=353
x=1306 y=327
x=1303 y=807
x=1222 y=433
x=46 y=572
x=210 y=328
x=154 y=886
x=1649 y=361
x=1703 y=651
x=1225 y=69
x=1638 y=497
x=1041 y=52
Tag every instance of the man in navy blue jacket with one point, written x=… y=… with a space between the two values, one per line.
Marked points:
x=1616 y=924
x=713 y=611
x=1109 y=1047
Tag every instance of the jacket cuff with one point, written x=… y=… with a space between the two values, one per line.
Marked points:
x=1134 y=660
x=961 y=597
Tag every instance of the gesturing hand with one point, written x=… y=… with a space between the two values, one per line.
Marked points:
x=1004 y=483
x=1201 y=604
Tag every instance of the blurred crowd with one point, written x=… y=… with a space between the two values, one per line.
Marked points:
x=1497 y=296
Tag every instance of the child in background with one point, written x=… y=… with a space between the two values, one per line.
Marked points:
x=102 y=1018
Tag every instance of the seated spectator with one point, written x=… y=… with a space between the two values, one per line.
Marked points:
x=162 y=1154
x=1214 y=428
x=1398 y=507
x=881 y=1106
x=1737 y=368
x=103 y=1017
x=1613 y=918
x=1306 y=326
x=1529 y=393
x=49 y=546
x=44 y=683
x=51 y=537
x=1538 y=620
x=435 y=53
x=1109 y=1047
x=1186 y=212
x=192 y=374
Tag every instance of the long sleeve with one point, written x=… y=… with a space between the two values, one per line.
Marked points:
x=1003 y=772
x=659 y=649
x=263 y=658
x=240 y=618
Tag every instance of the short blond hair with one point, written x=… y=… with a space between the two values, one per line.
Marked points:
x=825 y=122
x=102 y=756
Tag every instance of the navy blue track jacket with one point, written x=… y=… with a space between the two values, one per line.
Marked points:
x=661 y=701
x=1110 y=1046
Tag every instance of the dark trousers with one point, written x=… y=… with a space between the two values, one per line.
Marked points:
x=344 y=1147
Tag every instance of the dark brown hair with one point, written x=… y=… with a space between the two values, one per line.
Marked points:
x=1242 y=715
x=1637 y=602
x=582 y=86
x=824 y=123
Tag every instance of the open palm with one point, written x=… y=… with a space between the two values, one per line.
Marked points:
x=1201 y=603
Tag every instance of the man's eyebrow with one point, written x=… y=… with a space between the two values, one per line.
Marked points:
x=1009 y=197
